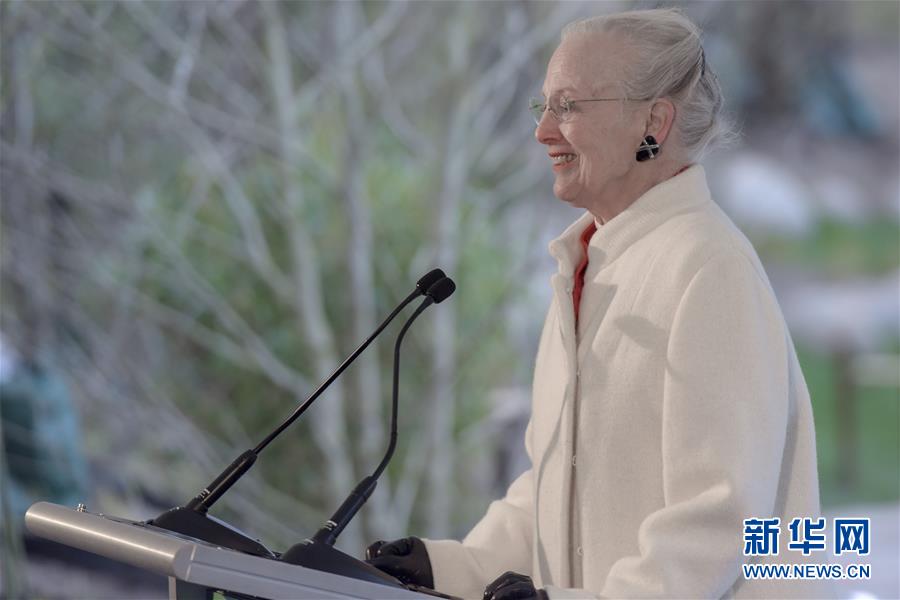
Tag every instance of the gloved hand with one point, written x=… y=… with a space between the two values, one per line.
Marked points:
x=406 y=559
x=513 y=586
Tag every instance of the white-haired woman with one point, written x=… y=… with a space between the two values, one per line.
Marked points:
x=668 y=403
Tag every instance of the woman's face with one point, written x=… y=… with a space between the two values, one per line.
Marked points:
x=593 y=151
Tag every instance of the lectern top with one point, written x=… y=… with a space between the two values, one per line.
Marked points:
x=194 y=561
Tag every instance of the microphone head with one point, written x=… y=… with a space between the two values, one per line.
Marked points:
x=441 y=290
x=430 y=278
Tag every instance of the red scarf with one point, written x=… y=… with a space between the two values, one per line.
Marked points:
x=582 y=266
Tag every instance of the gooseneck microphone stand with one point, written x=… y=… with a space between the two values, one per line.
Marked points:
x=318 y=552
x=192 y=518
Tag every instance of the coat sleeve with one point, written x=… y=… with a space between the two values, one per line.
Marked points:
x=500 y=542
x=724 y=422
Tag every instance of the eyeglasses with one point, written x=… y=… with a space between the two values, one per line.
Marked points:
x=562 y=109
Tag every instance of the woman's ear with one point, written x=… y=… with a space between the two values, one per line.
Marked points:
x=662 y=117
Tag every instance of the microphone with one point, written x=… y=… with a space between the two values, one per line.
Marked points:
x=192 y=518
x=318 y=552
x=439 y=292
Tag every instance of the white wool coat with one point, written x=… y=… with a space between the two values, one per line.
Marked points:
x=675 y=410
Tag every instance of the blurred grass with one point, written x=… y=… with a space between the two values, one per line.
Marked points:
x=878 y=422
x=839 y=249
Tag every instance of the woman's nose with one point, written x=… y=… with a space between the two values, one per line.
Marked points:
x=547 y=130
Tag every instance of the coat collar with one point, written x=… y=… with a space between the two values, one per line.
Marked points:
x=675 y=195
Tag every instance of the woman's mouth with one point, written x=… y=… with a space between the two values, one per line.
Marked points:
x=561 y=160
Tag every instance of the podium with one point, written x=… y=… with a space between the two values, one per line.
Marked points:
x=195 y=568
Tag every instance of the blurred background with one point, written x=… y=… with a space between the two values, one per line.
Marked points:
x=206 y=206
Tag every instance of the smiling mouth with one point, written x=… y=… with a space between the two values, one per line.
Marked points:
x=561 y=159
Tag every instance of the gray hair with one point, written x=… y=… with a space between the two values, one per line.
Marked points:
x=667 y=61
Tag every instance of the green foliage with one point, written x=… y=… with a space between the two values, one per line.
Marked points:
x=877 y=411
x=839 y=249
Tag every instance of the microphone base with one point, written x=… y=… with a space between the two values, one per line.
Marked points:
x=209 y=529
x=321 y=557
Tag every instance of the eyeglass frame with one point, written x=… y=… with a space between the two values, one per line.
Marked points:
x=545 y=106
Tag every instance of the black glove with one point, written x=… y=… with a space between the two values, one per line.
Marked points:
x=513 y=586
x=406 y=559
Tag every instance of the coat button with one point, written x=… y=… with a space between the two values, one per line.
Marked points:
x=579 y=551
x=573 y=461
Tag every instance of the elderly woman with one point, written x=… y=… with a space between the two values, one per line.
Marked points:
x=668 y=403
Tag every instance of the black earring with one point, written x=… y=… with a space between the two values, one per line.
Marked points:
x=648 y=149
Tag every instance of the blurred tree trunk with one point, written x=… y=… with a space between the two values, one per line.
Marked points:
x=361 y=253
x=329 y=415
x=443 y=343
x=26 y=200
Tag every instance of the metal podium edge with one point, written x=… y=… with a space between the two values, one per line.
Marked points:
x=120 y=541
x=281 y=580
x=195 y=562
